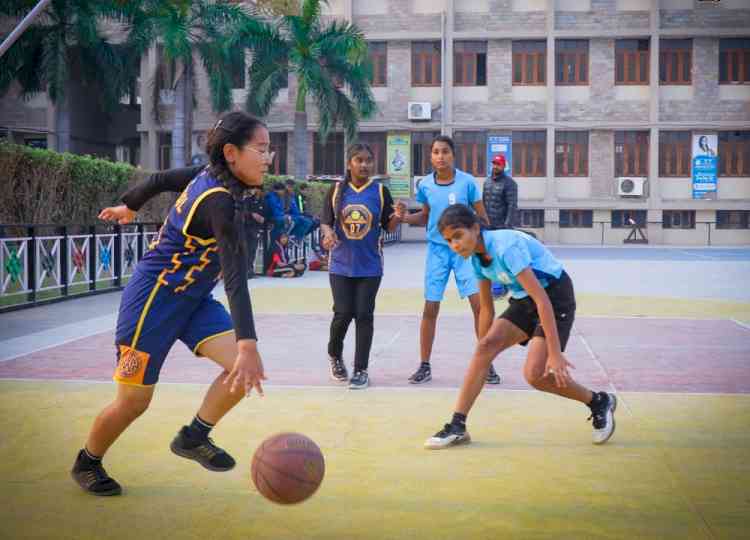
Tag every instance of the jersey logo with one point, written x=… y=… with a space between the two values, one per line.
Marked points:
x=452 y=198
x=357 y=221
x=505 y=278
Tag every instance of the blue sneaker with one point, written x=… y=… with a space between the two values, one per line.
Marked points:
x=498 y=290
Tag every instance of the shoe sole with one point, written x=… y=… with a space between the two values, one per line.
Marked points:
x=465 y=440
x=497 y=380
x=612 y=410
x=358 y=387
x=336 y=379
x=428 y=378
x=110 y=493
x=179 y=452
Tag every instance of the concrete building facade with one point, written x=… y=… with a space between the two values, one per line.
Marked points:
x=596 y=97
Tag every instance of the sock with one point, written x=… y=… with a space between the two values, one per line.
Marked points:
x=199 y=428
x=459 y=420
x=425 y=364
x=91 y=456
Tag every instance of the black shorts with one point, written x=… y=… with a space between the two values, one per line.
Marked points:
x=523 y=313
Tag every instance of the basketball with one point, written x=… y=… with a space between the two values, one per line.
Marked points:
x=287 y=468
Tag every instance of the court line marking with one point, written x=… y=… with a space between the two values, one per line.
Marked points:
x=345 y=390
x=680 y=488
x=741 y=324
x=699 y=255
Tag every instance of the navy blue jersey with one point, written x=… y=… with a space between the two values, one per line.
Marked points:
x=178 y=260
x=358 y=226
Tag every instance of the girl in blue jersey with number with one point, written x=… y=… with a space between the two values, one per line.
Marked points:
x=540 y=313
x=355 y=212
x=169 y=298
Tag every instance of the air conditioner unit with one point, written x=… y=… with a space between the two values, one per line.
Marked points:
x=631 y=187
x=420 y=110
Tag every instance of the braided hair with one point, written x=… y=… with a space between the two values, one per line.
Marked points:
x=351 y=151
x=233 y=128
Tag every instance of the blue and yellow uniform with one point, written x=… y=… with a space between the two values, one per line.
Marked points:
x=169 y=296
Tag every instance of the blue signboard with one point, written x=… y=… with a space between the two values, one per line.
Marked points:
x=705 y=166
x=500 y=144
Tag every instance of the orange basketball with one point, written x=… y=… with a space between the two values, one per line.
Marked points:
x=287 y=468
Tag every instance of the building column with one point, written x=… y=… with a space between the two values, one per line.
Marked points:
x=655 y=231
x=447 y=75
x=551 y=230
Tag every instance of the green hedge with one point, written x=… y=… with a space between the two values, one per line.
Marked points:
x=46 y=187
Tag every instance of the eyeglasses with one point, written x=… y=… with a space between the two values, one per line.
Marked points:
x=263 y=153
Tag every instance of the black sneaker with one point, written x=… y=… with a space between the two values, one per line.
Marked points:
x=603 y=416
x=492 y=376
x=91 y=476
x=203 y=451
x=338 y=369
x=450 y=435
x=422 y=375
x=360 y=380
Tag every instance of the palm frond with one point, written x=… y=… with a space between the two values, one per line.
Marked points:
x=267 y=75
x=216 y=61
x=311 y=10
x=55 y=64
x=22 y=62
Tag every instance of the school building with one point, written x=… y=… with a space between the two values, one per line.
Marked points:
x=610 y=112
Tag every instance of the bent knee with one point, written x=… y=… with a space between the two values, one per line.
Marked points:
x=534 y=377
x=133 y=407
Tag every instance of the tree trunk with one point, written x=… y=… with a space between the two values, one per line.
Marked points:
x=178 y=127
x=62 y=123
x=300 y=145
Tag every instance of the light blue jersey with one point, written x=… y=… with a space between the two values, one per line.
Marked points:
x=512 y=252
x=438 y=197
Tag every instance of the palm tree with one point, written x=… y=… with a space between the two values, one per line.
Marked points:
x=186 y=29
x=64 y=42
x=322 y=57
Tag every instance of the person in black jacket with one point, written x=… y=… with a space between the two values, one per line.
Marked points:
x=500 y=198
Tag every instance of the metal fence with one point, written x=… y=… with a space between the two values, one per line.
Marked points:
x=48 y=263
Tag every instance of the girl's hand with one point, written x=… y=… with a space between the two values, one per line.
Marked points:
x=329 y=241
x=400 y=210
x=558 y=365
x=247 y=372
x=121 y=214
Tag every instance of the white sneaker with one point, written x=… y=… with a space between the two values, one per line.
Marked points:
x=450 y=435
x=604 y=419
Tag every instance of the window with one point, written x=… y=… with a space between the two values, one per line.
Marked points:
x=572 y=61
x=631 y=153
x=165 y=150
x=376 y=141
x=674 y=153
x=734 y=61
x=470 y=63
x=425 y=63
x=471 y=152
x=631 y=61
x=529 y=62
x=329 y=158
x=529 y=153
x=734 y=153
x=678 y=219
x=278 y=145
x=420 y=144
x=237 y=66
x=531 y=218
x=379 y=58
x=624 y=219
x=675 y=61
x=572 y=153
x=576 y=219
x=733 y=219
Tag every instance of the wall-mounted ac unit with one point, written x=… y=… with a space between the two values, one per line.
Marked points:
x=631 y=187
x=420 y=110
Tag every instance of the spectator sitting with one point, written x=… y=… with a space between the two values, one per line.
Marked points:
x=281 y=263
x=318 y=260
x=300 y=197
x=286 y=217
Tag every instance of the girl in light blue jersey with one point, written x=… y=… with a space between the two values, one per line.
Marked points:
x=540 y=314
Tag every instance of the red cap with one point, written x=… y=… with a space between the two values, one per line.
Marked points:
x=499 y=160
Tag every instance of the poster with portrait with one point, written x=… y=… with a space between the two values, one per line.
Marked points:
x=398 y=156
x=705 y=165
x=500 y=144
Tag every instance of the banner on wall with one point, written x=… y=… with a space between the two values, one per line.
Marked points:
x=399 y=164
x=499 y=144
x=705 y=165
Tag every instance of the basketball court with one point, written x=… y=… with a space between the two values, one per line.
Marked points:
x=675 y=348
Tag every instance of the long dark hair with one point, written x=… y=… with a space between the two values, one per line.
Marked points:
x=458 y=215
x=351 y=151
x=235 y=128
